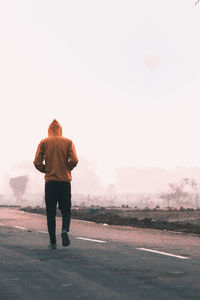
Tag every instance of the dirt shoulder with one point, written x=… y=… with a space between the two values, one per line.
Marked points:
x=187 y=221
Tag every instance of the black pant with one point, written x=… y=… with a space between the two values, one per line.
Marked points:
x=57 y=191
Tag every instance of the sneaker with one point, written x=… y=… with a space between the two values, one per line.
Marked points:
x=65 y=238
x=52 y=246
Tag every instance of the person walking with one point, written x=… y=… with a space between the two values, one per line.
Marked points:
x=56 y=157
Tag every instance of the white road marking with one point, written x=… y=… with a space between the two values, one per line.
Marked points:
x=86 y=239
x=163 y=253
x=19 y=227
x=65 y=284
x=183 y=233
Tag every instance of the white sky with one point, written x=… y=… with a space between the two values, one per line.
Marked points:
x=86 y=63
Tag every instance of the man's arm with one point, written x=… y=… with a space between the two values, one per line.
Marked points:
x=39 y=158
x=72 y=156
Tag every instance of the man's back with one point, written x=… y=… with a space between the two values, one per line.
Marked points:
x=59 y=154
x=60 y=158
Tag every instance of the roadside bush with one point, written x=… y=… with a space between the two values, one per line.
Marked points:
x=146 y=208
x=93 y=211
x=182 y=208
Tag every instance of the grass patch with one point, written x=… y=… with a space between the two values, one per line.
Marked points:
x=183 y=221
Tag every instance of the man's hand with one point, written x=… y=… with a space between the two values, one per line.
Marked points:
x=72 y=157
x=39 y=158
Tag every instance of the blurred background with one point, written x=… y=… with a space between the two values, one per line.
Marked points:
x=122 y=78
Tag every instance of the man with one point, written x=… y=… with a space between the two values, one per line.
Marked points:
x=60 y=158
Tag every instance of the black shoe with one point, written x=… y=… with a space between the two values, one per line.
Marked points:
x=52 y=246
x=65 y=238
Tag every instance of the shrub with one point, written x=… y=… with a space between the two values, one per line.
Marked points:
x=182 y=208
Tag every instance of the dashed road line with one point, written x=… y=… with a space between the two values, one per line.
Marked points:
x=91 y=240
x=163 y=253
x=19 y=227
x=101 y=241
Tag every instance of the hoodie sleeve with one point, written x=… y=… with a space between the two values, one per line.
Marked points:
x=72 y=156
x=39 y=158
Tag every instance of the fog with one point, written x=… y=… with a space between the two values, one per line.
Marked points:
x=125 y=90
x=132 y=186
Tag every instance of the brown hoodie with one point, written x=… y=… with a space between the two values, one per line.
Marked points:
x=59 y=154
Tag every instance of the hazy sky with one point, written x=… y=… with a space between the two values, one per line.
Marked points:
x=121 y=77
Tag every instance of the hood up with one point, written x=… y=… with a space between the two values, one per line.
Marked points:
x=55 y=129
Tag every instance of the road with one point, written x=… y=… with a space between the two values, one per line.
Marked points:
x=102 y=262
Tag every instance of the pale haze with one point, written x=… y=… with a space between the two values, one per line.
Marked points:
x=121 y=77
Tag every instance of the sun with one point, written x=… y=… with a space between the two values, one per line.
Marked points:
x=152 y=61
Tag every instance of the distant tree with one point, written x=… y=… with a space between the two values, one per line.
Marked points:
x=86 y=180
x=182 y=208
x=111 y=189
x=146 y=201
x=195 y=188
x=18 y=185
x=83 y=203
x=177 y=193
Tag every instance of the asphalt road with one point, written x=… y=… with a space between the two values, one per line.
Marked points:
x=102 y=262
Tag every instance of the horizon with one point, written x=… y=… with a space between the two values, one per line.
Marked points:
x=126 y=90
x=127 y=179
